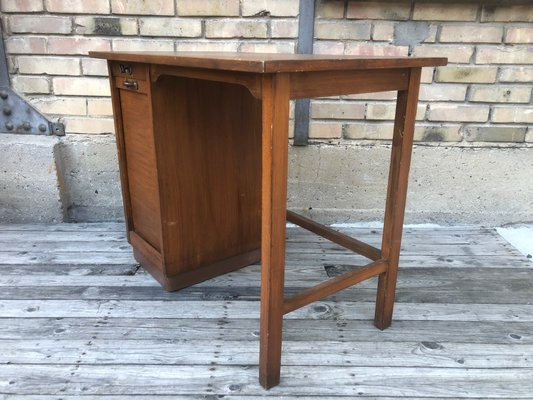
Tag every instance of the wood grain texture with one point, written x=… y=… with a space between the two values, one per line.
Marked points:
x=141 y=168
x=402 y=142
x=275 y=121
x=213 y=185
x=269 y=62
x=208 y=149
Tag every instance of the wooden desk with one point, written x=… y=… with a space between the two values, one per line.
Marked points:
x=202 y=142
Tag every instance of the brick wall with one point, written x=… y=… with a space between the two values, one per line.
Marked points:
x=482 y=97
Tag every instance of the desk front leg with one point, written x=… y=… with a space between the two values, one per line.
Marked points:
x=275 y=121
x=396 y=196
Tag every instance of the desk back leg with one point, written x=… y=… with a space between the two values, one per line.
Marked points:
x=402 y=144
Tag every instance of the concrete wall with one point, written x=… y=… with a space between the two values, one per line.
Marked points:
x=474 y=137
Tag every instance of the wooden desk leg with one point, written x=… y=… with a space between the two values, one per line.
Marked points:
x=275 y=120
x=396 y=195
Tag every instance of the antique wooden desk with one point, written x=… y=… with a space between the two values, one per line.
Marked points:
x=202 y=141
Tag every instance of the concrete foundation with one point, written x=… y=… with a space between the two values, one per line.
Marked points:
x=448 y=185
x=29 y=184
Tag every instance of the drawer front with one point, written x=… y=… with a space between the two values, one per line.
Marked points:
x=132 y=84
x=129 y=70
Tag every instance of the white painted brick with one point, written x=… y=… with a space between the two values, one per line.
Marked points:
x=339 y=29
x=77 y=45
x=383 y=31
x=105 y=26
x=337 y=110
x=40 y=24
x=325 y=130
x=387 y=111
x=507 y=13
x=373 y=50
x=219 y=8
x=500 y=94
x=198 y=45
x=457 y=112
x=270 y=47
x=437 y=133
x=499 y=133
x=143 y=7
x=81 y=86
x=504 y=55
x=88 y=125
x=436 y=92
x=427 y=75
x=284 y=28
x=456 y=54
x=78 y=6
x=328 y=47
x=466 y=74
x=61 y=105
x=330 y=9
x=275 y=8
x=48 y=65
x=30 y=84
x=142 y=45
x=369 y=131
x=445 y=12
x=232 y=28
x=25 y=6
x=516 y=74
x=182 y=27
x=99 y=107
x=25 y=45
x=94 y=66
x=513 y=114
x=519 y=35
x=471 y=34
x=378 y=10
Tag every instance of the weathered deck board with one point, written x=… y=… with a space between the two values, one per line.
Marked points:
x=296 y=380
x=79 y=319
x=198 y=352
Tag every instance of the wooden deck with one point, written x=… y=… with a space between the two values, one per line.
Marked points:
x=80 y=320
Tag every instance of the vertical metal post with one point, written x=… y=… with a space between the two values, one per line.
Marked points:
x=306 y=30
x=4 y=76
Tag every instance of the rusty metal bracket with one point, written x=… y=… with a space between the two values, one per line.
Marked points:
x=16 y=114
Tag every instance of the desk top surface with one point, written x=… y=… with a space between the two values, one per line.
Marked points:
x=269 y=62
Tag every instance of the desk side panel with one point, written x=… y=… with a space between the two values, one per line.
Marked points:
x=208 y=143
x=140 y=166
